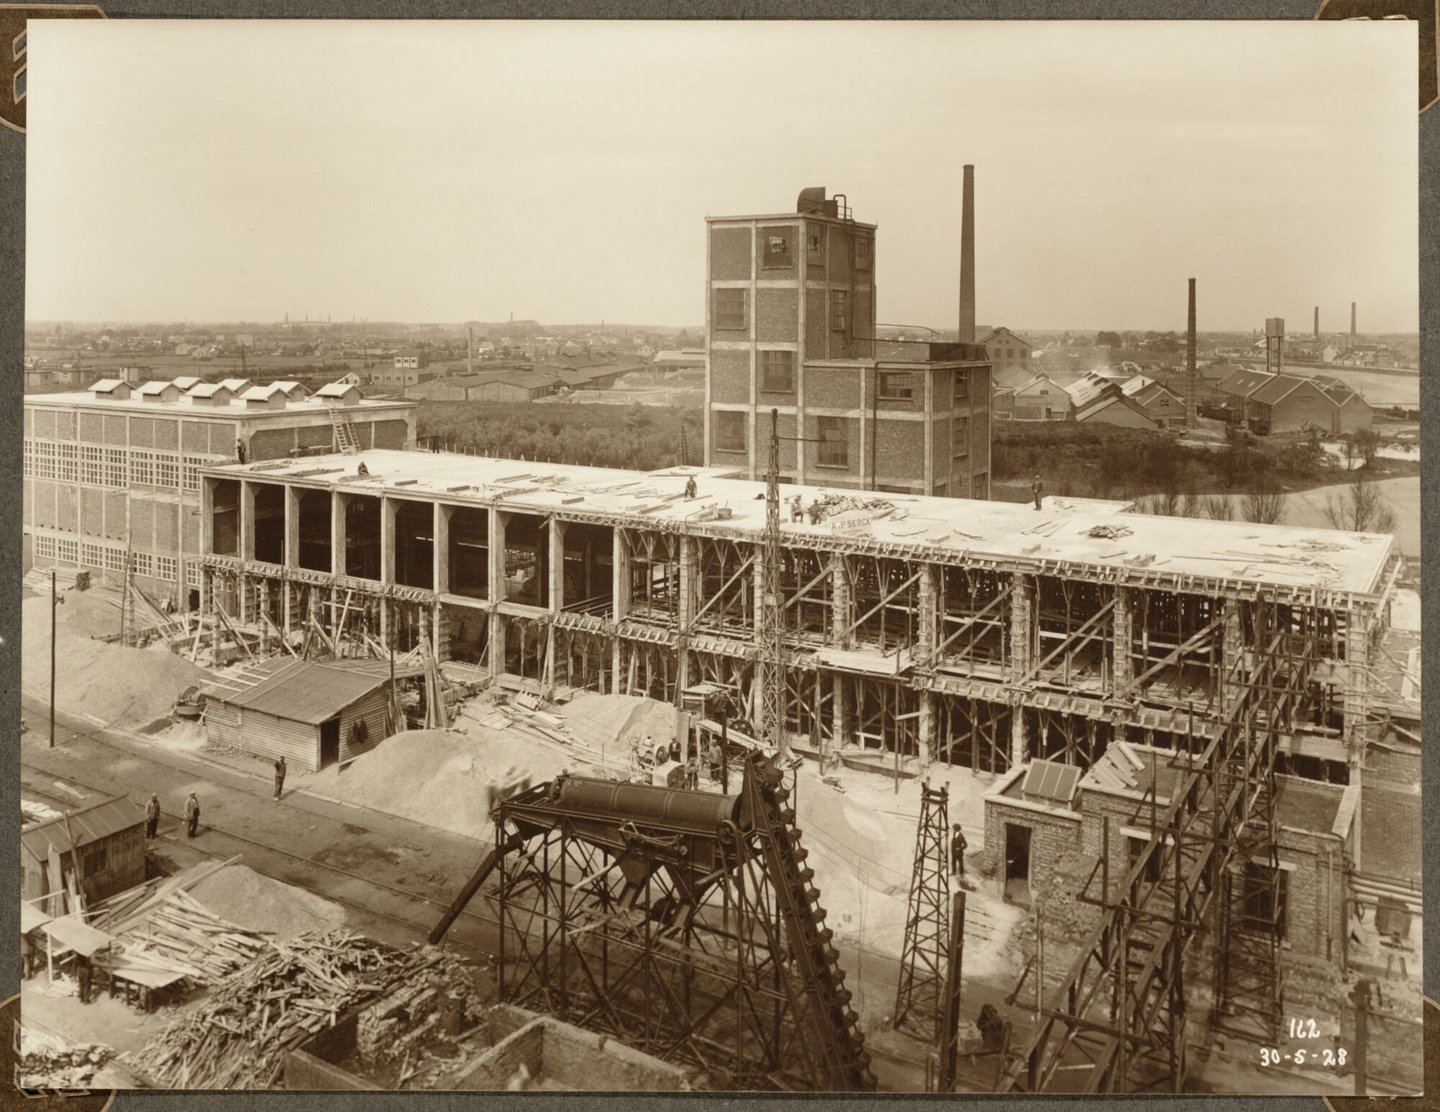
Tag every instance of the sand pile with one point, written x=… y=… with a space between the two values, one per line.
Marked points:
x=258 y=903
x=122 y=687
x=615 y=720
x=441 y=777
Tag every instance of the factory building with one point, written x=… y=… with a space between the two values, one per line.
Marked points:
x=112 y=474
x=791 y=326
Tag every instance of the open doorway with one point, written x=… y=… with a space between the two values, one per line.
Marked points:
x=1017 y=864
x=329 y=742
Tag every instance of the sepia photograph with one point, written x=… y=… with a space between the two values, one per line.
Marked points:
x=731 y=557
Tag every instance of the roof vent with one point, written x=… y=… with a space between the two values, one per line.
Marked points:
x=812 y=200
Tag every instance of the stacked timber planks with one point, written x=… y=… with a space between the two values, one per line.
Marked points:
x=238 y=1038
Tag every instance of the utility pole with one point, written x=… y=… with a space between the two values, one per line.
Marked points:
x=54 y=596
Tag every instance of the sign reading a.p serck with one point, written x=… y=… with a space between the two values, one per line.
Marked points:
x=15 y=57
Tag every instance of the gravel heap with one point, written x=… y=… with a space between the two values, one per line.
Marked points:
x=258 y=903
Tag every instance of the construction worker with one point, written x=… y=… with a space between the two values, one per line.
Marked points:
x=690 y=488
x=814 y=512
x=1035 y=491
x=240 y=451
x=362 y=470
x=279 y=777
x=957 y=852
x=152 y=816
x=84 y=976
x=192 y=815
x=797 y=509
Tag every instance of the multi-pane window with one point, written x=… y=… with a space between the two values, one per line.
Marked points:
x=962 y=387
x=896 y=386
x=167 y=469
x=91 y=555
x=113 y=559
x=66 y=551
x=834 y=442
x=92 y=465
x=27 y=464
x=730 y=307
x=194 y=571
x=142 y=563
x=960 y=446
x=862 y=253
x=840 y=311
x=192 y=473
x=776 y=247
x=777 y=372
x=67 y=461
x=729 y=431
x=115 y=468
x=815 y=244
x=142 y=468
x=44 y=546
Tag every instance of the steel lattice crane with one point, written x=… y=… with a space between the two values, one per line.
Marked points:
x=772 y=631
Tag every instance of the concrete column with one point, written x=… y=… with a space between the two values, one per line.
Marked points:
x=839 y=603
x=247 y=520
x=1123 y=637
x=1234 y=670
x=620 y=605
x=207 y=526
x=388 y=509
x=687 y=608
x=1355 y=708
x=292 y=527
x=339 y=501
x=557 y=565
x=1022 y=643
x=1022 y=626
x=495 y=573
x=925 y=641
x=925 y=736
x=442 y=548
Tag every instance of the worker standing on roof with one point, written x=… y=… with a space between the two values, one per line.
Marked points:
x=690 y=488
x=957 y=852
x=152 y=816
x=192 y=815
x=279 y=777
x=815 y=512
x=1035 y=490
x=240 y=450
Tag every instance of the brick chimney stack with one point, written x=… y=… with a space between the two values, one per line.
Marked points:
x=967 y=258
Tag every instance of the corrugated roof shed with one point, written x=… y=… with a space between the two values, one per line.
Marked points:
x=1278 y=388
x=1245 y=382
x=89 y=824
x=304 y=691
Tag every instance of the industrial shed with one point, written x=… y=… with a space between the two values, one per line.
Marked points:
x=110 y=836
x=313 y=714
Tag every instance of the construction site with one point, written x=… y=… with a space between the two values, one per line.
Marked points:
x=712 y=778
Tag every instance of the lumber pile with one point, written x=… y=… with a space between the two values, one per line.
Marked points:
x=160 y=926
x=238 y=1038
x=49 y=1062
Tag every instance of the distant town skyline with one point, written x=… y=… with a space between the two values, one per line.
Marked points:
x=219 y=171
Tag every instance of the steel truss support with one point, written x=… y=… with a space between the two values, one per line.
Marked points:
x=702 y=947
x=1116 y=1023
x=919 y=998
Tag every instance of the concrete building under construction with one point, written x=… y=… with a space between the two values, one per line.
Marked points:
x=916 y=627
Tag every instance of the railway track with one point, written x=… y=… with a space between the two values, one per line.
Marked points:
x=482 y=925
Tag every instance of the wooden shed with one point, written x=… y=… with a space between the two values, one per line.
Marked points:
x=313 y=714
x=110 y=836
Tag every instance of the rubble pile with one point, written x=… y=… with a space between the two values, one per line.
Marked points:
x=238 y=1038
x=412 y=1037
x=49 y=1062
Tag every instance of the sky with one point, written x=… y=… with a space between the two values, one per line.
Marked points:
x=443 y=172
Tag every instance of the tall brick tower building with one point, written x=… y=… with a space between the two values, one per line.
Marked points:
x=790 y=325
